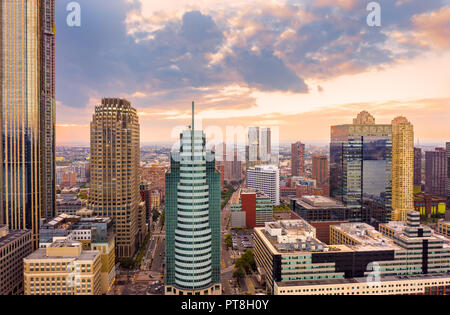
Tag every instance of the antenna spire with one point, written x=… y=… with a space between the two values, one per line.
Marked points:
x=193 y=108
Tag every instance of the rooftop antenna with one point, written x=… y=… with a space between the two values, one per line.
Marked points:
x=193 y=130
x=193 y=105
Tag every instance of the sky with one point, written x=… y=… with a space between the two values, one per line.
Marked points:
x=297 y=65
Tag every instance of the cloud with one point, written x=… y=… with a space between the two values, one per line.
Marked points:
x=435 y=26
x=162 y=55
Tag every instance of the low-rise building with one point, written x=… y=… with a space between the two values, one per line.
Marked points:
x=444 y=228
x=363 y=260
x=93 y=233
x=14 y=246
x=68 y=203
x=254 y=208
x=63 y=268
x=429 y=205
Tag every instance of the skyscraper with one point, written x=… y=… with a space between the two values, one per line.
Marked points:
x=417 y=168
x=320 y=169
x=361 y=168
x=253 y=152
x=267 y=179
x=192 y=218
x=447 y=187
x=47 y=113
x=259 y=148
x=435 y=172
x=298 y=159
x=265 y=145
x=115 y=168
x=27 y=92
x=402 y=168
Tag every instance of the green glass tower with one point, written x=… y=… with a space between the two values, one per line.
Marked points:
x=192 y=218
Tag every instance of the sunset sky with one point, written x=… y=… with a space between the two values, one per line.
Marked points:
x=301 y=65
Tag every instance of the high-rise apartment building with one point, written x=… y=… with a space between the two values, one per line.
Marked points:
x=15 y=245
x=361 y=168
x=298 y=159
x=417 y=169
x=115 y=159
x=320 y=169
x=192 y=218
x=436 y=172
x=267 y=179
x=402 y=168
x=27 y=91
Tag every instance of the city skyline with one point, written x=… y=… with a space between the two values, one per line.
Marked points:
x=221 y=68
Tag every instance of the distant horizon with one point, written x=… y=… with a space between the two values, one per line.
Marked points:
x=282 y=143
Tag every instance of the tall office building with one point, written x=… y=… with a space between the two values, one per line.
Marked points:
x=259 y=148
x=297 y=159
x=361 y=168
x=265 y=145
x=115 y=168
x=48 y=110
x=320 y=169
x=192 y=218
x=417 y=169
x=27 y=90
x=267 y=179
x=402 y=168
x=435 y=172
x=253 y=152
x=447 y=187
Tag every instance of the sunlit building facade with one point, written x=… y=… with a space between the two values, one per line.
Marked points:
x=115 y=158
x=28 y=113
x=402 y=168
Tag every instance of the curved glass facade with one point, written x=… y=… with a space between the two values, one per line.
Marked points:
x=192 y=217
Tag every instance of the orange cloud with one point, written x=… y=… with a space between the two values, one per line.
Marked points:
x=435 y=26
x=344 y=4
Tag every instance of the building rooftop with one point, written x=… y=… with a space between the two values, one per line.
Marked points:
x=366 y=236
x=295 y=236
x=359 y=280
x=259 y=193
x=291 y=236
x=7 y=235
x=41 y=254
x=318 y=202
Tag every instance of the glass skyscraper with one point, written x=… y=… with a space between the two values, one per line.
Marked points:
x=27 y=113
x=192 y=218
x=361 y=168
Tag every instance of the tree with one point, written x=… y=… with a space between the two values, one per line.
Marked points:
x=238 y=273
x=228 y=241
x=155 y=215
